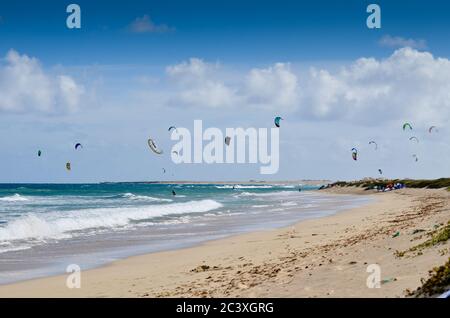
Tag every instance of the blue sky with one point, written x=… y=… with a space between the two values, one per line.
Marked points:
x=231 y=31
x=130 y=72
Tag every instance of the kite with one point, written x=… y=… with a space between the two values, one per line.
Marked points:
x=354 y=154
x=414 y=138
x=78 y=145
x=164 y=170
x=373 y=142
x=227 y=140
x=68 y=167
x=39 y=153
x=405 y=125
x=277 y=121
x=380 y=171
x=415 y=157
x=430 y=130
x=153 y=147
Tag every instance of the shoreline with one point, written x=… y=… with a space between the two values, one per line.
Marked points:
x=300 y=260
x=332 y=204
x=19 y=266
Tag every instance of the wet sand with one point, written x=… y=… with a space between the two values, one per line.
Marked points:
x=325 y=257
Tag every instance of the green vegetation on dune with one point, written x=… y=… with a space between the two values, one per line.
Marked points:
x=438 y=236
x=409 y=183
x=439 y=277
x=431 y=184
x=437 y=283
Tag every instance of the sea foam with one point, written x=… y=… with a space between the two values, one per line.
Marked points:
x=14 y=198
x=57 y=225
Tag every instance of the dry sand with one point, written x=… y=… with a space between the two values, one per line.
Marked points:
x=325 y=257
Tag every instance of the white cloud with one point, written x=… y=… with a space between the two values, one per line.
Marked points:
x=198 y=86
x=398 y=42
x=203 y=84
x=145 y=25
x=408 y=85
x=192 y=69
x=69 y=92
x=25 y=86
x=275 y=86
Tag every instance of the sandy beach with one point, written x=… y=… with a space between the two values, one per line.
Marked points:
x=324 y=257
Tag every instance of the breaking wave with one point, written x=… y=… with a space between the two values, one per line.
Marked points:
x=14 y=198
x=56 y=225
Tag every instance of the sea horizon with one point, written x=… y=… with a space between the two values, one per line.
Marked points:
x=294 y=181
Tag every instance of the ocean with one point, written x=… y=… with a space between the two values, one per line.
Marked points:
x=46 y=227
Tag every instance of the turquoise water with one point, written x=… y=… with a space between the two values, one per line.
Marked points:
x=44 y=227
